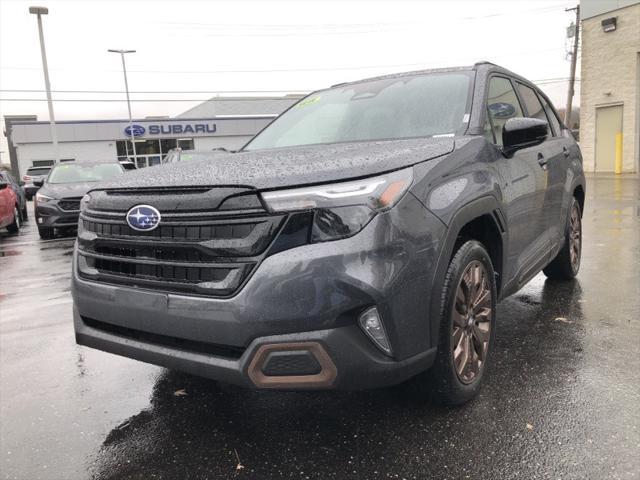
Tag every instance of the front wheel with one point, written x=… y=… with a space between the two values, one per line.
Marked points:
x=15 y=226
x=567 y=263
x=466 y=326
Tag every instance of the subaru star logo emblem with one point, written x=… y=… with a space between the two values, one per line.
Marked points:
x=143 y=218
x=134 y=130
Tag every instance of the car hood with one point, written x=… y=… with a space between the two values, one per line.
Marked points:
x=64 y=190
x=292 y=166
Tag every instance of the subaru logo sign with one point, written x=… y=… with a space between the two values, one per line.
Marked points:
x=143 y=218
x=134 y=130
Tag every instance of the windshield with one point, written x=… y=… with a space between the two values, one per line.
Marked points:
x=78 y=173
x=400 y=107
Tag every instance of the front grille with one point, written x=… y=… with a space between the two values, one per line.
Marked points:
x=171 y=232
x=69 y=204
x=194 y=251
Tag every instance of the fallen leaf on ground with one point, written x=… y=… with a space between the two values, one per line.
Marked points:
x=529 y=426
x=239 y=466
x=563 y=320
x=180 y=393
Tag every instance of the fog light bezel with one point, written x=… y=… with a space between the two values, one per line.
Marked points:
x=384 y=347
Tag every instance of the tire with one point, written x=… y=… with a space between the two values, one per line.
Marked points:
x=451 y=380
x=46 y=233
x=15 y=226
x=567 y=263
x=25 y=213
x=29 y=197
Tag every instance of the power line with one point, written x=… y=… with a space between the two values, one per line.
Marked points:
x=214 y=92
x=279 y=70
x=161 y=100
x=106 y=100
x=293 y=90
x=352 y=25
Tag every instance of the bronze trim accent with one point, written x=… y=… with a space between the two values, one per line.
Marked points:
x=323 y=379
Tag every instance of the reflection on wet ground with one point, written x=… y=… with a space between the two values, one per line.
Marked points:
x=561 y=399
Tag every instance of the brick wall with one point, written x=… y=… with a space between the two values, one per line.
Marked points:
x=609 y=76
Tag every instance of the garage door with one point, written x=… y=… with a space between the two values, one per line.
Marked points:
x=608 y=125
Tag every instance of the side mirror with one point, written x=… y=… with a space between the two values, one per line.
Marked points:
x=3 y=185
x=521 y=132
x=38 y=183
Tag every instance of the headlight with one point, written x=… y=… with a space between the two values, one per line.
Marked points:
x=40 y=198
x=342 y=209
x=84 y=203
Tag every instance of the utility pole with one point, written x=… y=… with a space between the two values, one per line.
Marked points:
x=126 y=87
x=574 y=59
x=39 y=11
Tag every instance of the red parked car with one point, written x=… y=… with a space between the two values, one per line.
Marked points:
x=9 y=213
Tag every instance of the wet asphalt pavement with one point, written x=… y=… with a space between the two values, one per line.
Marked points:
x=561 y=400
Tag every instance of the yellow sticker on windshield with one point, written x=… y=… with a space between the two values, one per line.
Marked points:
x=308 y=101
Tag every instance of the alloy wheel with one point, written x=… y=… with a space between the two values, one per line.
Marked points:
x=16 y=216
x=472 y=313
x=575 y=238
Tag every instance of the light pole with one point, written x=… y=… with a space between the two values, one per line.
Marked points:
x=126 y=87
x=39 y=11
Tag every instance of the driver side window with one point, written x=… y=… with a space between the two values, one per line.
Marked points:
x=502 y=104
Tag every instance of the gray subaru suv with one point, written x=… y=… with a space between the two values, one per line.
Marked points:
x=361 y=239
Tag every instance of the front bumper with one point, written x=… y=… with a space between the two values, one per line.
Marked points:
x=311 y=294
x=358 y=364
x=50 y=215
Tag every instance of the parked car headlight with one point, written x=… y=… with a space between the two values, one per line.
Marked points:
x=342 y=209
x=41 y=198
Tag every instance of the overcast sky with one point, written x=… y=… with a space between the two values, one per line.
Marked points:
x=192 y=50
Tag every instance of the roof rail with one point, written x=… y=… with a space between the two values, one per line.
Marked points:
x=484 y=62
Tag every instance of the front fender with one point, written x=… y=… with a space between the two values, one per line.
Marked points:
x=486 y=205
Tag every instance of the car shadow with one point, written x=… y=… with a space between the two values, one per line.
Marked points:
x=195 y=427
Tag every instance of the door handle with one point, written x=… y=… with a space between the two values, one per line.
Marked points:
x=565 y=152
x=542 y=161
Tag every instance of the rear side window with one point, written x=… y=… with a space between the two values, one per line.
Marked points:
x=502 y=104
x=532 y=103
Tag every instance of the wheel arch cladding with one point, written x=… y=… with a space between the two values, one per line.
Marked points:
x=578 y=193
x=481 y=220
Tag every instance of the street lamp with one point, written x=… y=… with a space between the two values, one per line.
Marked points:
x=126 y=87
x=39 y=11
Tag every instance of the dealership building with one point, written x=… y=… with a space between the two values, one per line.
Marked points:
x=610 y=85
x=222 y=122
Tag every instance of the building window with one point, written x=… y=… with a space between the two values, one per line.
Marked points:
x=150 y=152
x=185 y=143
